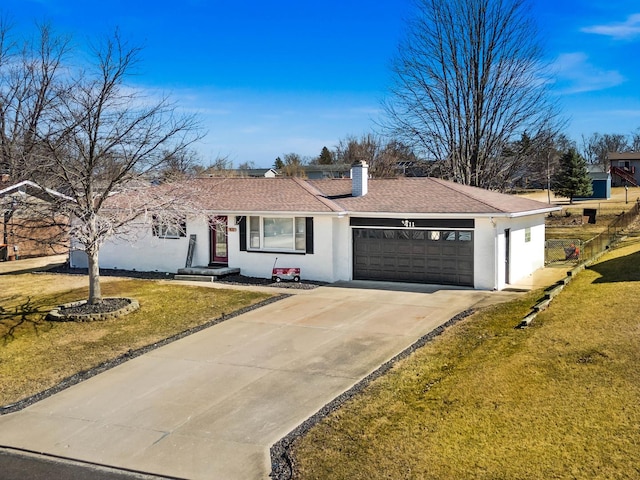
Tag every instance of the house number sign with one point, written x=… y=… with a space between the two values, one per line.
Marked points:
x=408 y=224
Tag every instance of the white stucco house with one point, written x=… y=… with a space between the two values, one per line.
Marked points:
x=422 y=230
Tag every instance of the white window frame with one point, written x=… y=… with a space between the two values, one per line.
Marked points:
x=257 y=241
x=168 y=231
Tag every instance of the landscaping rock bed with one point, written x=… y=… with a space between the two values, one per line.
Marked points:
x=229 y=279
x=82 y=311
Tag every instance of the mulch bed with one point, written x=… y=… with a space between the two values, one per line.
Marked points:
x=229 y=279
x=107 y=305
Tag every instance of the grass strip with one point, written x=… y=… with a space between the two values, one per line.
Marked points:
x=487 y=401
x=38 y=356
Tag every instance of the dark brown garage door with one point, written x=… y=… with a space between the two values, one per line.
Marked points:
x=419 y=256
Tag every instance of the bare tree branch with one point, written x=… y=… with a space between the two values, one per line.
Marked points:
x=106 y=138
x=469 y=78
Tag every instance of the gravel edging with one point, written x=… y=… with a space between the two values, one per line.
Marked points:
x=83 y=312
x=282 y=464
x=234 y=279
x=109 y=364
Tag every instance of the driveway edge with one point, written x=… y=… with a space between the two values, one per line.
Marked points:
x=129 y=355
x=281 y=460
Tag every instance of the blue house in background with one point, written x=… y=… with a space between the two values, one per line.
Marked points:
x=600 y=182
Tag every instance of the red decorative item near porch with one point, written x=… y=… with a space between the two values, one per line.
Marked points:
x=285 y=273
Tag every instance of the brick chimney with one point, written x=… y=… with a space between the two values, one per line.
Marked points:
x=359 y=178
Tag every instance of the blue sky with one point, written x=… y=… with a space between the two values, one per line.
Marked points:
x=269 y=78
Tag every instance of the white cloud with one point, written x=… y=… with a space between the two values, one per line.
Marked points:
x=576 y=74
x=619 y=30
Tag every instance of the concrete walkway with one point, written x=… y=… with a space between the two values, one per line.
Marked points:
x=210 y=405
x=36 y=264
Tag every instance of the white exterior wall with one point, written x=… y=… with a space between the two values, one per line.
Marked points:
x=148 y=253
x=484 y=254
x=316 y=266
x=342 y=249
x=332 y=259
x=526 y=257
x=490 y=250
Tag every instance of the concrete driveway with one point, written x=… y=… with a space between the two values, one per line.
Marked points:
x=209 y=406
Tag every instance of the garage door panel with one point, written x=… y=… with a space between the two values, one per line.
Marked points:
x=444 y=257
x=449 y=250
x=450 y=264
x=404 y=262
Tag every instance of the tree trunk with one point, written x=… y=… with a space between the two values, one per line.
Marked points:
x=95 y=293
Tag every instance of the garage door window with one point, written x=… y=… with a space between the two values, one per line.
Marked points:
x=449 y=236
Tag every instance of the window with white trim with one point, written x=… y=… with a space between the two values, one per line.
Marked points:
x=165 y=229
x=277 y=233
x=527 y=234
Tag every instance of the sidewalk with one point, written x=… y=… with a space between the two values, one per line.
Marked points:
x=33 y=264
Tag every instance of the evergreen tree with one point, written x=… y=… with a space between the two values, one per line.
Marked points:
x=572 y=178
x=278 y=164
x=326 y=157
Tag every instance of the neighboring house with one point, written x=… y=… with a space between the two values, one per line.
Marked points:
x=315 y=172
x=241 y=172
x=27 y=226
x=423 y=230
x=600 y=182
x=625 y=168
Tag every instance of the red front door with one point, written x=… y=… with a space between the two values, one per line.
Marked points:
x=219 y=247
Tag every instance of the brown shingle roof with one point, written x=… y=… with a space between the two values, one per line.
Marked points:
x=424 y=195
x=623 y=155
x=385 y=196
x=261 y=195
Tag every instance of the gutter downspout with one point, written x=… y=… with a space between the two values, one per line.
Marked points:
x=496 y=252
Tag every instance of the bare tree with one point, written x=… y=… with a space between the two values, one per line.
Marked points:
x=538 y=157
x=244 y=167
x=293 y=165
x=30 y=90
x=635 y=140
x=385 y=159
x=469 y=78
x=597 y=147
x=181 y=165
x=107 y=138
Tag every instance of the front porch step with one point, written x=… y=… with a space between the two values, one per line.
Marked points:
x=195 y=278
x=204 y=274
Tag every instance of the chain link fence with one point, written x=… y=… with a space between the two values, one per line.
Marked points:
x=573 y=250
x=563 y=250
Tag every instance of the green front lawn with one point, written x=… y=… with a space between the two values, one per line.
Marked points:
x=486 y=401
x=36 y=354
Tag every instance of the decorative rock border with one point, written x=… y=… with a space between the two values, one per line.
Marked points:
x=555 y=289
x=58 y=314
